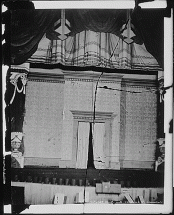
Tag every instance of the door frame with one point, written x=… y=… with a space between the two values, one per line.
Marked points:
x=100 y=117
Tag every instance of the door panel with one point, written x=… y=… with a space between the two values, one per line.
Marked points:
x=82 y=145
x=98 y=144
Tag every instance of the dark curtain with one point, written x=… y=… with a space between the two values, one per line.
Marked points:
x=160 y=111
x=90 y=163
x=8 y=96
x=23 y=31
x=160 y=117
x=108 y=21
x=171 y=126
x=150 y=24
x=160 y=120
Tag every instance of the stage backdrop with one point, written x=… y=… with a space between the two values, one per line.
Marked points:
x=54 y=109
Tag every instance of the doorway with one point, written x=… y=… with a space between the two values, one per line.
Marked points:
x=90 y=145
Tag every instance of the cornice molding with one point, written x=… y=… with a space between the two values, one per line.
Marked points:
x=91 y=76
x=46 y=77
x=139 y=82
x=89 y=115
x=18 y=70
x=85 y=76
x=24 y=66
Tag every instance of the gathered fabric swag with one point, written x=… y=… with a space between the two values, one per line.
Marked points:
x=90 y=48
x=26 y=29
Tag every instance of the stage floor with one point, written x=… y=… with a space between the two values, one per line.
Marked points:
x=36 y=194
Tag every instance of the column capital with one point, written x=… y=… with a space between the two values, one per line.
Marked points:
x=22 y=67
x=161 y=76
x=16 y=72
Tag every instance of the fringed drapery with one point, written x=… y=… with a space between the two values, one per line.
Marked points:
x=25 y=28
x=89 y=48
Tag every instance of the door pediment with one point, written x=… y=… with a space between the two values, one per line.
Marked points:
x=89 y=115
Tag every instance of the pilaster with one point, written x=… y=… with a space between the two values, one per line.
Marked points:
x=15 y=109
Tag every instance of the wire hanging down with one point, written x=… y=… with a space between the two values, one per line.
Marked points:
x=148 y=89
x=108 y=88
x=96 y=95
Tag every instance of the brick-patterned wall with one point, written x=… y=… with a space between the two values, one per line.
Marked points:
x=77 y=96
x=43 y=120
x=138 y=129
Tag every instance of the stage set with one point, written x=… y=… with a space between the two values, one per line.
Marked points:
x=85 y=105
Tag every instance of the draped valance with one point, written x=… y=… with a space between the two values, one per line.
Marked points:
x=24 y=30
x=89 y=48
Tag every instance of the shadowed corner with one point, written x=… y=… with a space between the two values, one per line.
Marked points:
x=17 y=209
x=171 y=126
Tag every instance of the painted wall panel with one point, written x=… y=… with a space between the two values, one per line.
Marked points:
x=138 y=131
x=43 y=119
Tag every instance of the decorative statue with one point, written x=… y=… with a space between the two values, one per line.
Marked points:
x=160 y=154
x=17 y=148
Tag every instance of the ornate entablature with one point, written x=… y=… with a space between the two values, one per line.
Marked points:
x=46 y=77
x=90 y=76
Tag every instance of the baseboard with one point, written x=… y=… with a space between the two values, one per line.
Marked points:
x=132 y=164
